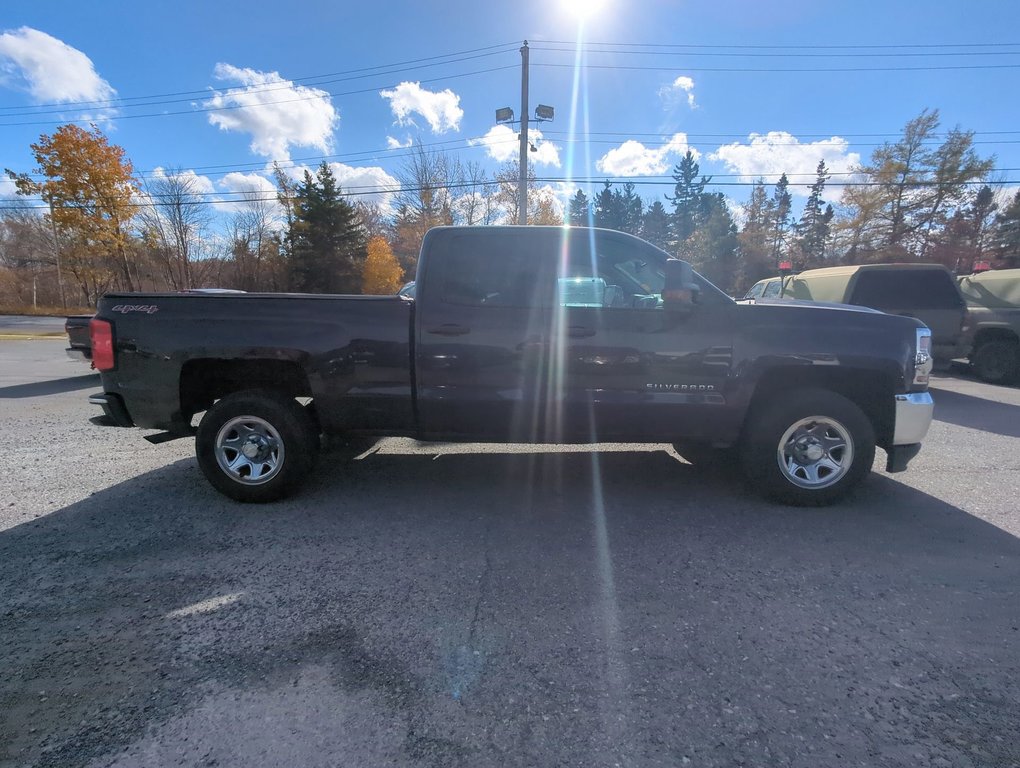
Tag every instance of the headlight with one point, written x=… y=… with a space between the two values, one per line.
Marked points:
x=923 y=360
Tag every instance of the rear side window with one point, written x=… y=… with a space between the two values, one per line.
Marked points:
x=772 y=290
x=906 y=289
x=496 y=272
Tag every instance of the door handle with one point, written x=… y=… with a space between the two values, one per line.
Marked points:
x=580 y=331
x=450 y=329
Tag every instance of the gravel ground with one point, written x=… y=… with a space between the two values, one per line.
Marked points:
x=441 y=605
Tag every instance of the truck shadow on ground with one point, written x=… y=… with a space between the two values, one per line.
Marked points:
x=976 y=412
x=509 y=609
x=52 y=387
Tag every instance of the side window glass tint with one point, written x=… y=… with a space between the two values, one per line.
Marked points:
x=505 y=275
x=772 y=290
x=609 y=274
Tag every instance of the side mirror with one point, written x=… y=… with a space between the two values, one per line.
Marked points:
x=680 y=292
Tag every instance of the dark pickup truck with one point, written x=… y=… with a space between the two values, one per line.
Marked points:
x=522 y=334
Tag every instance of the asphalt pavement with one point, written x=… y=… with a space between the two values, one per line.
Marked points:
x=31 y=325
x=465 y=605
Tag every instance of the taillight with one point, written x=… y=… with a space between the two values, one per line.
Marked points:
x=101 y=336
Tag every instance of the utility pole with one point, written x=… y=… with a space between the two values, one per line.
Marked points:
x=56 y=252
x=522 y=183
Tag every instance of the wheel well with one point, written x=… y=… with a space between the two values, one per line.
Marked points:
x=872 y=392
x=205 y=381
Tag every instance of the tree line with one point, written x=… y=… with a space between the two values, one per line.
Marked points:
x=927 y=196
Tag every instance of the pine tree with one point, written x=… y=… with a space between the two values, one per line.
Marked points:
x=813 y=228
x=629 y=207
x=781 y=203
x=655 y=225
x=607 y=213
x=328 y=241
x=579 y=211
x=713 y=245
x=686 y=199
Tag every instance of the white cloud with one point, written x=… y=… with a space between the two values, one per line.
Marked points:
x=393 y=143
x=681 y=88
x=441 y=109
x=501 y=144
x=776 y=152
x=199 y=185
x=49 y=69
x=371 y=185
x=247 y=183
x=632 y=158
x=278 y=117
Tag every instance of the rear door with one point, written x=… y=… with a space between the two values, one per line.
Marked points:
x=483 y=315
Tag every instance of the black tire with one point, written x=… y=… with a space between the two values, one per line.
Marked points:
x=997 y=361
x=827 y=420
x=284 y=440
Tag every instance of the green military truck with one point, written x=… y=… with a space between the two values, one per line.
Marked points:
x=992 y=339
x=924 y=291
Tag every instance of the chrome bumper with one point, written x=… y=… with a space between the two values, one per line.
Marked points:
x=913 y=417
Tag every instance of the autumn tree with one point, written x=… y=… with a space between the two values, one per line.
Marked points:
x=382 y=273
x=754 y=240
x=255 y=243
x=913 y=189
x=1006 y=233
x=423 y=201
x=88 y=186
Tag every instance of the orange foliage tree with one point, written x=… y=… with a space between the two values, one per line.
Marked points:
x=382 y=273
x=89 y=188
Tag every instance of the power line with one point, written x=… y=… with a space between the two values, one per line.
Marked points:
x=742 y=54
x=267 y=103
x=798 y=46
x=284 y=86
x=204 y=91
x=773 y=70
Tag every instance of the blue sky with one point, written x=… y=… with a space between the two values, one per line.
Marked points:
x=330 y=79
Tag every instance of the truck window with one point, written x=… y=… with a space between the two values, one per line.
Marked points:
x=756 y=290
x=495 y=272
x=905 y=289
x=610 y=274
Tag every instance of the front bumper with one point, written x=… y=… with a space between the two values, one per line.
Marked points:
x=913 y=417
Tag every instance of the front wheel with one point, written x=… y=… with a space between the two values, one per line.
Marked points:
x=256 y=446
x=809 y=447
x=997 y=362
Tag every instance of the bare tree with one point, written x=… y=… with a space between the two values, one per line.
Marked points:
x=254 y=228
x=175 y=221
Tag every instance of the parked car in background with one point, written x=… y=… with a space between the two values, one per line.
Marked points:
x=78 y=345
x=993 y=335
x=925 y=291
x=769 y=288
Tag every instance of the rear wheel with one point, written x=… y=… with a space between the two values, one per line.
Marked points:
x=808 y=447
x=256 y=446
x=997 y=362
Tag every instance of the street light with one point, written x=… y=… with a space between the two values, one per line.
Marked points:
x=543 y=113
x=504 y=115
